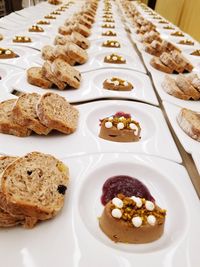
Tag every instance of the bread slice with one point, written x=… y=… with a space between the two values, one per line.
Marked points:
x=84 y=22
x=35 y=77
x=47 y=53
x=48 y=73
x=157 y=64
x=66 y=73
x=7 y=124
x=80 y=40
x=194 y=80
x=167 y=59
x=34 y=186
x=60 y=51
x=189 y=121
x=82 y=29
x=62 y=39
x=24 y=113
x=169 y=85
x=65 y=30
x=6 y=219
x=181 y=60
x=186 y=87
x=76 y=53
x=60 y=116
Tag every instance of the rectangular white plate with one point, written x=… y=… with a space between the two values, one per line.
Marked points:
x=74 y=238
x=189 y=144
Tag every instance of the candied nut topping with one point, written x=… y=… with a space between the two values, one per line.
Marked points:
x=129 y=212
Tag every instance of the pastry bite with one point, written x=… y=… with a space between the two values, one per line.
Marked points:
x=7 y=53
x=163 y=22
x=120 y=127
x=111 y=43
x=36 y=28
x=21 y=39
x=168 y=27
x=109 y=20
x=49 y=17
x=117 y=84
x=132 y=220
x=114 y=59
x=178 y=34
x=186 y=42
x=196 y=53
x=43 y=22
x=55 y=13
x=189 y=122
x=109 y=33
x=106 y=25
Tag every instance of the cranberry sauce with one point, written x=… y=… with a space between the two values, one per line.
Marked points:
x=125 y=185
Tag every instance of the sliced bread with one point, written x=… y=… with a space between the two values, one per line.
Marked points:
x=60 y=51
x=66 y=73
x=189 y=121
x=7 y=123
x=157 y=64
x=55 y=112
x=81 y=29
x=80 y=40
x=76 y=53
x=35 y=77
x=34 y=186
x=186 y=87
x=24 y=113
x=47 y=53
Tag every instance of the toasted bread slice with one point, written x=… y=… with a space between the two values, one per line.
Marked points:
x=61 y=116
x=48 y=73
x=60 y=51
x=189 y=121
x=7 y=124
x=195 y=81
x=80 y=40
x=65 y=30
x=169 y=85
x=186 y=87
x=34 y=186
x=76 y=53
x=66 y=73
x=82 y=29
x=181 y=60
x=62 y=39
x=157 y=64
x=47 y=53
x=35 y=77
x=24 y=113
x=167 y=60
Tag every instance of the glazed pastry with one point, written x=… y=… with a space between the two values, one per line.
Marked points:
x=22 y=39
x=7 y=53
x=114 y=59
x=36 y=28
x=120 y=127
x=117 y=84
x=111 y=43
x=132 y=220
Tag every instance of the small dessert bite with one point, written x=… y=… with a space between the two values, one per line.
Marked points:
x=117 y=84
x=55 y=13
x=186 y=42
x=21 y=39
x=132 y=220
x=114 y=59
x=109 y=20
x=7 y=53
x=163 y=22
x=106 y=25
x=109 y=33
x=49 y=17
x=43 y=22
x=36 y=28
x=120 y=127
x=168 y=27
x=178 y=34
x=196 y=53
x=111 y=43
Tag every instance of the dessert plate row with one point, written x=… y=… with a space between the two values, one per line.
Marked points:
x=155 y=136
x=168 y=182
x=92 y=86
x=189 y=144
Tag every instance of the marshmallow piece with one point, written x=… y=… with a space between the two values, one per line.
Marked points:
x=117 y=44
x=8 y=52
x=114 y=58
x=117 y=202
x=116 y=213
x=133 y=127
x=112 y=44
x=108 y=57
x=137 y=221
x=137 y=200
x=108 y=124
x=120 y=126
x=149 y=205
x=151 y=219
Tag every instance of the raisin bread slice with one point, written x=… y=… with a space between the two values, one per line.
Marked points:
x=60 y=116
x=48 y=73
x=76 y=53
x=81 y=29
x=62 y=40
x=65 y=30
x=24 y=113
x=60 y=51
x=189 y=121
x=7 y=123
x=47 y=53
x=66 y=73
x=157 y=64
x=80 y=40
x=35 y=77
x=34 y=186
x=186 y=87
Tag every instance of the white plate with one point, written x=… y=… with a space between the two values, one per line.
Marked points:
x=20 y=61
x=74 y=238
x=196 y=158
x=155 y=135
x=190 y=104
x=92 y=86
x=189 y=144
x=7 y=71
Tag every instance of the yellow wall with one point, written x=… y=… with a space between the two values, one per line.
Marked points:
x=183 y=13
